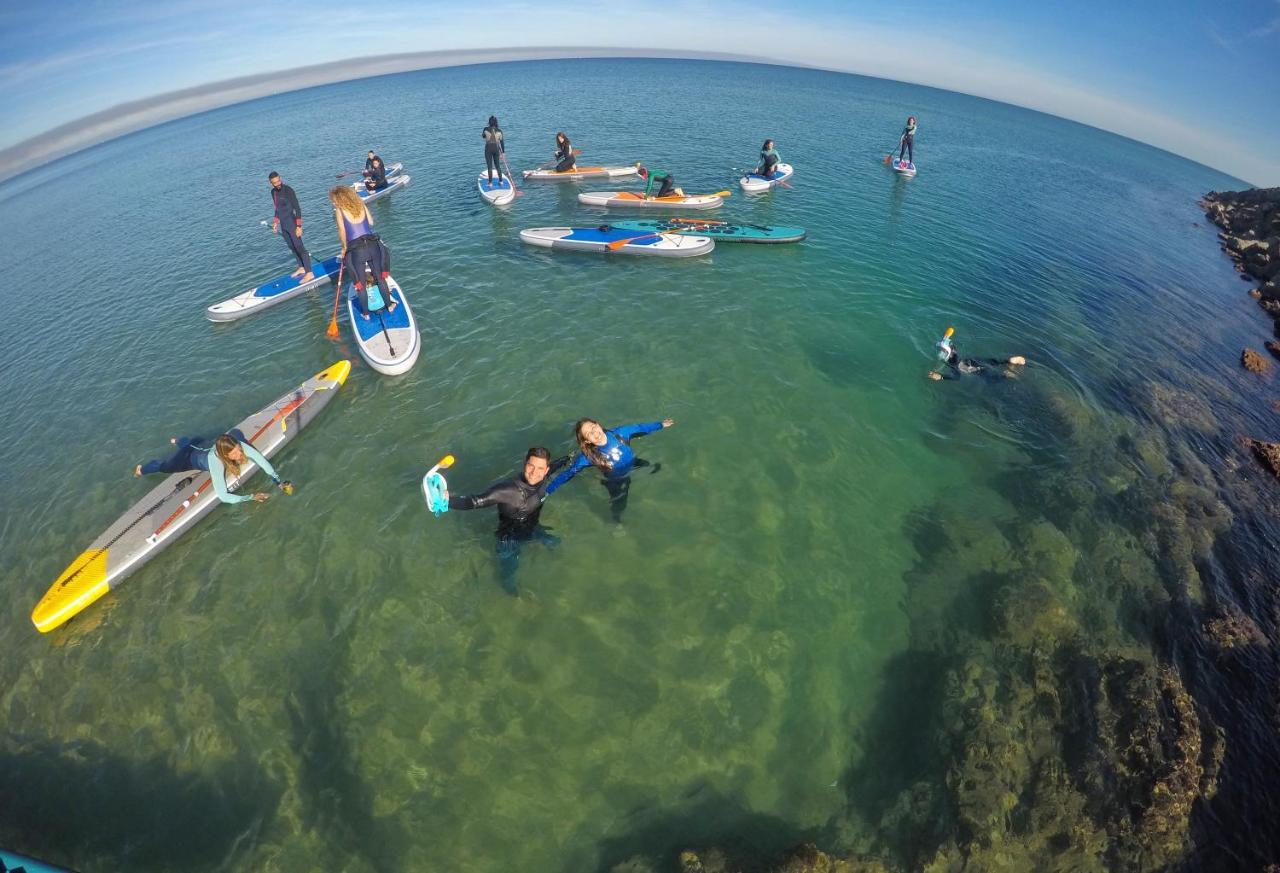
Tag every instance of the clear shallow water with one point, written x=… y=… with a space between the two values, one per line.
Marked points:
x=337 y=679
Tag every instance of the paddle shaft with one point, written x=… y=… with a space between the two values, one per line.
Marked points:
x=576 y=152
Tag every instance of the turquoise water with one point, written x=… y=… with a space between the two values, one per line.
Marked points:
x=337 y=680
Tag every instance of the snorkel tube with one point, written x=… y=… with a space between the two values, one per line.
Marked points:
x=944 y=345
x=435 y=490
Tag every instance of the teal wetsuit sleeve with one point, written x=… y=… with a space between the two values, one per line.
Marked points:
x=218 y=475
x=628 y=432
x=257 y=457
x=579 y=463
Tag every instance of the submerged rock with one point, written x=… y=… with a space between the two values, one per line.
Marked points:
x=1268 y=454
x=1254 y=362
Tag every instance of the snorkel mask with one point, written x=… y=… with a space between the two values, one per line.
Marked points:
x=944 y=345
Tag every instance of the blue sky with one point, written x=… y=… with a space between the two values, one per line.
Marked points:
x=1198 y=79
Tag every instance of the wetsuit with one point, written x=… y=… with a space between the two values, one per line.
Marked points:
x=366 y=254
x=519 y=508
x=908 y=140
x=564 y=157
x=768 y=160
x=192 y=455
x=622 y=460
x=288 y=217
x=377 y=176
x=957 y=366
x=368 y=164
x=668 y=183
x=494 y=148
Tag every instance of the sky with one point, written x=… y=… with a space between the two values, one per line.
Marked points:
x=1199 y=79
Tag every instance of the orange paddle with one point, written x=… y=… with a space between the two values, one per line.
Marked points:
x=332 y=330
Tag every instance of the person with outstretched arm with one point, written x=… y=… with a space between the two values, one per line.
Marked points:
x=288 y=220
x=519 y=502
x=610 y=451
x=908 y=141
x=219 y=457
x=494 y=148
x=955 y=366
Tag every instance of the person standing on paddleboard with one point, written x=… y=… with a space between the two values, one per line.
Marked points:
x=665 y=189
x=769 y=159
x=362 y=249
x=564 y=154
x=957 y=366
x=519 y=501
x=494 y=148
x=288 y=220
x=226 y=455
x=908 y=141
x=609 y=451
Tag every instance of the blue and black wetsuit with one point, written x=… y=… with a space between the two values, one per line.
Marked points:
x=366 y=254
x=622 y=460
x=196 y=453
x=519 y=510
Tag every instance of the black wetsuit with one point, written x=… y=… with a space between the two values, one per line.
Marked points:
x=368 y=164
x=958 y=366
x=564 y=157
x=377 y=177
x=519 y=509
x=494 y=148
x=289 y=214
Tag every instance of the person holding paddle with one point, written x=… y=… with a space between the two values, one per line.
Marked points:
x=226 y=455
x=565 y=160
x=908 y=140
x=495 y=148
x=362 y=249
x=288 y=220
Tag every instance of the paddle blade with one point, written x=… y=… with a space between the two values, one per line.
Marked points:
x=332 y=330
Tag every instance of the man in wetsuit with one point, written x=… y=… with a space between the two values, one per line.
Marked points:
x=667 y=185
x=288 y=220
x=368 y=162
x=956 y=366
x=519 y=502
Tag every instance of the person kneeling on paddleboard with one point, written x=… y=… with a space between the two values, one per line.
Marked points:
x=665 y=189
x=957 y=366
x=519 y=501
x=908 y=140
x=362 y=249
x=610 y=452
x=564 y=154
x=494 y=148
x=368 y=163
x=377 y=175
x=769 y=159
x=226 y=456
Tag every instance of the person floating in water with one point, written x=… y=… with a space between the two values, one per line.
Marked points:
x=564 y=157
x=769 y=159
x=610 y=451
x=519 y=501
x=220 y=457
x=287 y=220
x=956 y=366
x=667 y=185
x=908 y=141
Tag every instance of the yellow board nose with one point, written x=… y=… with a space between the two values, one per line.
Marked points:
x=336 y=373
x=83 y=582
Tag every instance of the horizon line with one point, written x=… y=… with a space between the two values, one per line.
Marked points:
x=133 y=116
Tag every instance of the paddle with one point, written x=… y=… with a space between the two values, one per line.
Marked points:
x=889 y=157
x=576 y=152
x=510 y=178
x=619 y=243
x=332 y=330
x=345 y=175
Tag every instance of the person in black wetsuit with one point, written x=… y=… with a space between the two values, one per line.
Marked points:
x=565 y=161
x=519 y=501
x=368 y=162
x=288 y=220
x=377 y=179
x=494 y=148
x=956 y=366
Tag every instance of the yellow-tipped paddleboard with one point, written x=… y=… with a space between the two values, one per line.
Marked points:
x=176 y=504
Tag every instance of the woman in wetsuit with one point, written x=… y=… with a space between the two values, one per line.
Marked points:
x=362 y=249
x=377 y=176
x=494 y=148
x=610 y=452
x=565 y=161
x=769 y=159
x=225 y=456
x=908 y=141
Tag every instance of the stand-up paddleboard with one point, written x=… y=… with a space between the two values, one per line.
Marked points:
x=389 y=340
x=597 y=239
x=635 y=200
x=12 y=861
x=903 y=168
x=369 y=196
x=579 y=173
x=720 y=231
x=276 y=291
x=176 y=504
x=500 y=192
x=754 y=183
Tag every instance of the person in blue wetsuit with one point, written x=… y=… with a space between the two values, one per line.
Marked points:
x=363 y=251
x=610 y=451
x=519 y=502
x=224 y=455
